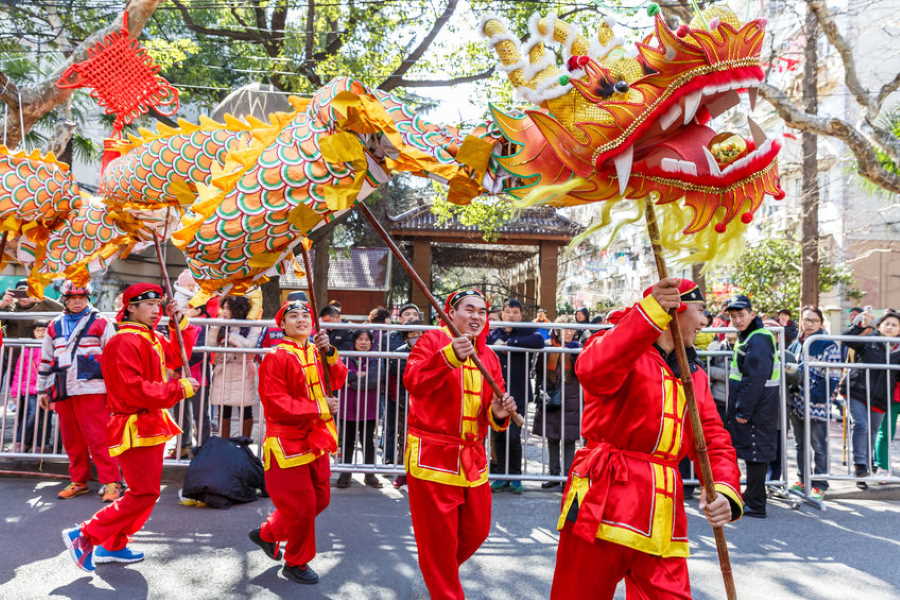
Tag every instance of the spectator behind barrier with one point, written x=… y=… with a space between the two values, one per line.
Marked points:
x=234 y=375
x=517 y=372
x=822 y=383
x=718 y=371
x=790 y=328
x=17 y=299
x=192 y=414
x=398 y=398
x=30 y=432
x=558 y=416
x=339 y=338
x=359 y=409
x=867 y=420
x=407 y=314
x=541 y=317
x=583 y=317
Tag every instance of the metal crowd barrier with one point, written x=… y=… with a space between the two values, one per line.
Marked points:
x=227 y=372
x=863 y=424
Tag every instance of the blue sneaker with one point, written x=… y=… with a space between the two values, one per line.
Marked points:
x=125 y=555
x=499 y=485
x=515 y=487
x=80 y=549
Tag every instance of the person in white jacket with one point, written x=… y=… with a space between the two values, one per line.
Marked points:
x=69 y=376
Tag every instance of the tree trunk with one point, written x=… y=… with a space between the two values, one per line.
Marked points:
x=809 y=203
x=321 y=266
x=271 y=293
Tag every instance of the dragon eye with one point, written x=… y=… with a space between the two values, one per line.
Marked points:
x=621 y=86
x=605 y=90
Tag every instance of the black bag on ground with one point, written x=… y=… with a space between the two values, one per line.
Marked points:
x=224 y=472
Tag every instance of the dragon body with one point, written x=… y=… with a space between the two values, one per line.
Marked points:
x=609 y=125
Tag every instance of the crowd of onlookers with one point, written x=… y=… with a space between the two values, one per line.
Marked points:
x=538 y=363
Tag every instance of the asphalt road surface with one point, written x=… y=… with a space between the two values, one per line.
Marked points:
x=366 y=550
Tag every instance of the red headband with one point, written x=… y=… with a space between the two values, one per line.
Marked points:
x=288 y=307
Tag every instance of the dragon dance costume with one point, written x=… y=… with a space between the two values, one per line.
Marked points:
x=135 y=367
x=448 y=419
x=300 y=436
x=623 y=507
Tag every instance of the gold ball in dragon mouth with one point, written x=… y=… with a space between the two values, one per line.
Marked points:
x=727 y=147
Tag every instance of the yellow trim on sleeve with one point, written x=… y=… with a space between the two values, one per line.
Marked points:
x=655 y=312
x=187 y=387
x=494 y=425
x=450 y=356
x=730 y=493
x=333 y=358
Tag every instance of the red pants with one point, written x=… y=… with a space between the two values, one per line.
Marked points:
x=593 y=570
x=299 y=495
x=82 y=422
x=111 y=526
x=450 y=523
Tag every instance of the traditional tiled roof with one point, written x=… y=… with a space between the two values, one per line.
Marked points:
x=533 y=221
x=362 y=269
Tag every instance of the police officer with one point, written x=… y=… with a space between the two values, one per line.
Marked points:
x=752 y=417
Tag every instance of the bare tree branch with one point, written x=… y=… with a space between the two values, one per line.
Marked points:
x=245 y=36
x=421 y=83
x=867 y=162
x=851 y=79
x=888 y=89
x=395 y=79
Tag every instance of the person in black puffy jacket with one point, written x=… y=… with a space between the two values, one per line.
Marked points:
x=870 y=394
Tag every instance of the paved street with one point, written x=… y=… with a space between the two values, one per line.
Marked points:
x=367 y=550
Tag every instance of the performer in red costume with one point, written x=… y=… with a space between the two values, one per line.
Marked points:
x=135 y=365
x=450 y=409
x=300 y=435
x=623 y=511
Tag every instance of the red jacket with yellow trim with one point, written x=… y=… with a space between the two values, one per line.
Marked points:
x=299 y=425
x=625 y=486
x=446 y=425
x=135 y=367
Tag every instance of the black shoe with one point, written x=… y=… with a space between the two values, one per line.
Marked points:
x=300 y=574
x=270 y=548
x=756 y=514
x=861 y=471
x=549 y=484
x=343 y=480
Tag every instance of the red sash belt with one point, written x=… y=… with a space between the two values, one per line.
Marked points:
x=471 y=455
x=603 y=464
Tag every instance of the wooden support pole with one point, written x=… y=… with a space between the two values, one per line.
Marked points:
x=693 y=413
x=311 y=293
x=185 y=372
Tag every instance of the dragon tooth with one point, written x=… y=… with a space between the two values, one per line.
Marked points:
x=711 y=161
x=623 y=168
x=669 y=164
x=668 y=119
x=688 y=167
x=759 y=138
x=691 y=104
x=753 y=92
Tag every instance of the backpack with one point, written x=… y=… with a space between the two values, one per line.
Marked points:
x=224 y=472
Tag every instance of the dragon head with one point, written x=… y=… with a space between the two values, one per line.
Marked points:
x=616 y=124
